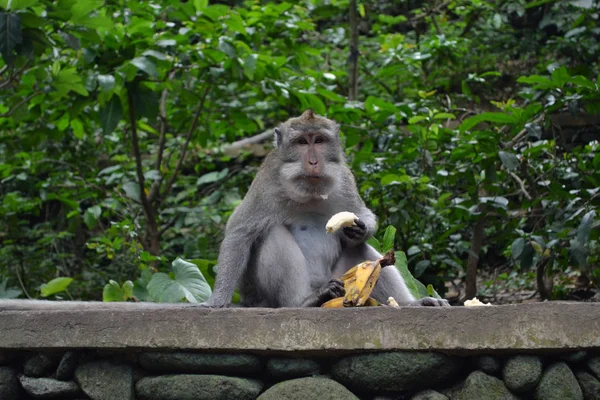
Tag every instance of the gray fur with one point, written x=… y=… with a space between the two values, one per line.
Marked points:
x=276 y=249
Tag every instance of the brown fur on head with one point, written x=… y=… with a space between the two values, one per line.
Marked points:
x=308 y=121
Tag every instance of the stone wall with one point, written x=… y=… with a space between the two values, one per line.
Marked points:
x=147 y=351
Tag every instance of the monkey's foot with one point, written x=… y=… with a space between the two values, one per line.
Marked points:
x=430 y=302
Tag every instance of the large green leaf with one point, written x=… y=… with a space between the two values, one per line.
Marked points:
x=188 y=283
x=10 y=35
x=110 y=115
x=7 y=292
x=56 y=285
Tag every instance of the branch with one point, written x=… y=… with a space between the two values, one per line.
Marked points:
x=234 y=147
x=379 y=81
x=148 y=210
x=185 y=144
x=161 y=141
x=18 y=105
x=14 y=76
x=433 y=10
x=522 y=184
x=437 y=27
x=519 y=136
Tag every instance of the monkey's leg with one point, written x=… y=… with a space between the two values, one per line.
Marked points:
x=390 y=282
x=281 y=272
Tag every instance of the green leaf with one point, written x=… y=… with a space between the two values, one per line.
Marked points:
x=56 y=285
x=416 y=288
x=227 y=47
x=517 y=248
x=91 y=215
x=132 y=190
x=140 y=290
x=189 y=284
x=146 y=65
x=200 y=5
x=211 y=177
x=509 y=160
x=22 y=4
x=250 y=65
x=541 y=82
x=7 y=292
x=146 y=103
x=329 y=95
x=110 y=115
x=106 y=82
x=77 y=127
x=374 y=243
x=582 y=81
x=421 y=267
x=113 y=292
x=444 y=115
x=585 y=227
x=416 y=119
x=10 y=35
x=497 y=117
x=560 y=76
x=388 y=239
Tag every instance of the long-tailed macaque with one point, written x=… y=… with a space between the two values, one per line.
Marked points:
x=276 y=249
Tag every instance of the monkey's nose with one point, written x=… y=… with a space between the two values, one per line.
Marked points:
x=315 y=162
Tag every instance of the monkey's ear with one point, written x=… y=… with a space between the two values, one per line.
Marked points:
x=277 y=139
x=336 y=130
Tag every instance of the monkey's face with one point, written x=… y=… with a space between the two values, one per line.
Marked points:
x=311 y=162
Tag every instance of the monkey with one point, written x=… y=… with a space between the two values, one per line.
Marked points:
x=276 y=250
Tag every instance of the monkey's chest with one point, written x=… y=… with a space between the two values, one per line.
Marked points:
x=320 y=249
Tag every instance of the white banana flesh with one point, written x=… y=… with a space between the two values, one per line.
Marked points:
x=340 y=220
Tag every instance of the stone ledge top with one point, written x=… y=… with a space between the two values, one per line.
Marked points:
x=62 y=325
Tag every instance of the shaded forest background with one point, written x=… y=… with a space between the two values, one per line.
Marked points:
x=129 y=131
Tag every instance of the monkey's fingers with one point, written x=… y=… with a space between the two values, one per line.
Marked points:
x=355 y=232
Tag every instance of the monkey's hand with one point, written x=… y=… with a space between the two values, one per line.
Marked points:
x=430 y=302
x=357 y=232
x=333 y=289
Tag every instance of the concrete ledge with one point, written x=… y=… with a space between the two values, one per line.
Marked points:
x=66 y=325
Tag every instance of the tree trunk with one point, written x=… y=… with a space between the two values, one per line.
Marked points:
x=353 y=58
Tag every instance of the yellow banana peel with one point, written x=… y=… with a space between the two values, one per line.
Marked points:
x=359 y=282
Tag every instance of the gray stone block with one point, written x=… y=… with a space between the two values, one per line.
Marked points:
x=480 y=386
x=522 y=373
x=488 y=364
x=9 y=384
x=429 y=395
x=558 y=383
x=40 y=365
x=288 y=367
x=590 y=386
x=105 y=380
x=395 y=371
x=308 y=389
x=200 y=363
x=197 y=387
x=48 y=388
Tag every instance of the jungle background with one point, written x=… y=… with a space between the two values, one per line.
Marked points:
x=129 y=131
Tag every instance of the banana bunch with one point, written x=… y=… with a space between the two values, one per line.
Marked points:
x=359 y=282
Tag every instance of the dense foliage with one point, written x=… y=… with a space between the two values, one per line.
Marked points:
x=472 y=128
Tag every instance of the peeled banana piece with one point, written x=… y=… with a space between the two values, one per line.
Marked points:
x=340 y=220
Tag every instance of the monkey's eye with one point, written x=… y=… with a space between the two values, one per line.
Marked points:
x=319 y=140
x=302 y=141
